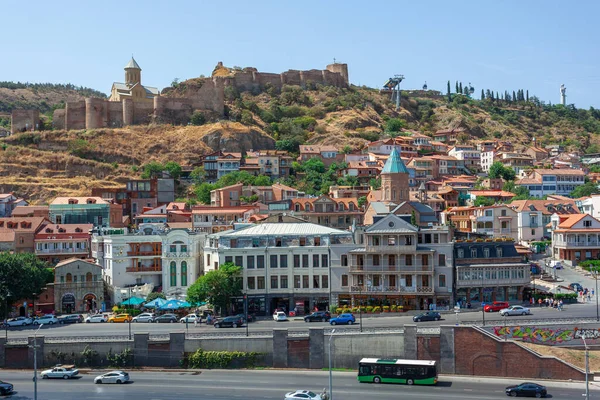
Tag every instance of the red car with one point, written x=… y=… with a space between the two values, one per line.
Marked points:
x=496 y=306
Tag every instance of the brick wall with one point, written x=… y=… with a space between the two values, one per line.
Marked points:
x=24 y=119
x=75 y=115
x=428 y=348
x=58 y=119
x=478 y=353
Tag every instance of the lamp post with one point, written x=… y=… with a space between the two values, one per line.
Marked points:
x=246 y=311
x=6 y=314
x=595 y=275
x=129 y=322
x=35 y=362
x=483 y=313
x=587 y=368
x=330 y=370
x=505 y=333
x=360 y=307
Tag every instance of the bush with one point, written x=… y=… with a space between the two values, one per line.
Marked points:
x=89 y=356
x=376 y=309
x=369 y=309
x=198 y=119
x=247 y=118
x=26 y=139
x=80 y=148
x=339 y=310
x=123 y=359
x=220 y=359
x=386 y=308
x=394 y=308
x=355 y=310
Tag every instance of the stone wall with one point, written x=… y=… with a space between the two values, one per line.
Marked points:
x=22 y=120
x=75 y=115
x=58 y=119
x=115 y=114
x=142 y=113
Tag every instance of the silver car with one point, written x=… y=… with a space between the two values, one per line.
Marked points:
x=19 y=321
x=144 y=317
x=61 y=371
x=515 y=310
x=112 y=377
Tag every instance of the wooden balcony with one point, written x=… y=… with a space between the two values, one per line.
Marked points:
x=151 y=268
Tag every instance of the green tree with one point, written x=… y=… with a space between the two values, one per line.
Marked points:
x=587 y=189
x=527 y=96
x=173 y=169
x=448 y=93
x=456 y=84
x=21 y=275
x=347 y=149
x=262 y=180
x=483 y=201
x=375 y=183
x=152 y=169
x=498 y=170
x=198 y=175
x=413 y=218
x=236 y=177
x=482 y=95
x=203 y=192
x=460 y=88
x=247 y=118
x=198 y=118
x=514 y=96
x=217 y=287
x=394 y=125
x=154 y=296
x=362 y=200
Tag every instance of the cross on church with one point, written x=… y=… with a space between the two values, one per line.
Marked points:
x=334 y=60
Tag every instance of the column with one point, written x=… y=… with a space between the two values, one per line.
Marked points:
x=176 y=348
x=316 y=348
x=140 y=349
x=410 y=342
x=280 y=348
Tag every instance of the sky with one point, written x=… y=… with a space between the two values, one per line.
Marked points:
x=498 y=45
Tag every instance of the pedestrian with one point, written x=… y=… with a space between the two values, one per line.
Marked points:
x=195 y=321
x=540 y=302
x=560 y=305
x=531 y=300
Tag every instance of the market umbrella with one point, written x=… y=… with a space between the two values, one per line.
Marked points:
x=172 y=305
x=133 y=301
x=158 y=302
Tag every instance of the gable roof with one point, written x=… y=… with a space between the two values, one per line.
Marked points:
x=392 y=223
x=572 y=220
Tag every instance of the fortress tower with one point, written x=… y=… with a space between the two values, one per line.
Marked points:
x=132 y=88
x=394 y=179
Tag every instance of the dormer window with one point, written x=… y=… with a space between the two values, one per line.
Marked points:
x=48 y=230
x=473 y=253
x=78 y=230
x=91 y=201
x=499 y=251
x=73 y=201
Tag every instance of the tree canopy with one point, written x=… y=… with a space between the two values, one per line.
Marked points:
x=217 y=287
x=587 y=189
x=498 y=170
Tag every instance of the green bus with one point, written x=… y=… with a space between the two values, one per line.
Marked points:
x=378 y=370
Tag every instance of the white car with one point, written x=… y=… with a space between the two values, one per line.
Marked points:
x=191 y=318
x=19 y=321
x=144 y=317
x=61 y=371
x=46 y=320
x=112 y=377
x=279 y=316
x=515 y=310
x=302 y=395
x=96 y=318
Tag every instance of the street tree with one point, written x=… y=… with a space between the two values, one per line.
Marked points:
x=217 y=287
x=154 y=296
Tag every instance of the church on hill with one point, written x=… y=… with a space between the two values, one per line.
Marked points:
x=133 y=88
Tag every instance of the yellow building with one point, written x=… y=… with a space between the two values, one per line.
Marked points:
x=133 y=88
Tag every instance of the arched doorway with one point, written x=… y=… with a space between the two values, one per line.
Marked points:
x=67 y=303
x=90 y=302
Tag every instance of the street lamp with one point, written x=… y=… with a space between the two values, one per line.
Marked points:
x=595 y=275
x=330 y=371
x=246 y=311
x=8 y=294
x=35 y=362
x=360 y=307
x=129 y=322
x=483 y=313
x=587 y=368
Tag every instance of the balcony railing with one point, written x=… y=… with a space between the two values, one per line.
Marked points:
x=394 y=289
x=392 y=268
x=578 y=244
x=151 y=268
x=144 y=253
x=491 y=282
x=391 y=248
x=62 y=251
x=79 y=285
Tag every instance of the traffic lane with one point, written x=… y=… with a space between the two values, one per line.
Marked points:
x=265 y=385
x=122 y=329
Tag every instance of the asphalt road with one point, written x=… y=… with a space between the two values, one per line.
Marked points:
x=572 y=311
x=266 y=385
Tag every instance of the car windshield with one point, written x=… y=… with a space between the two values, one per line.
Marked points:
x=311 y=394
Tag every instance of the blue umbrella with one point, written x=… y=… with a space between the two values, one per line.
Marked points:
x=133 y=301
x=158 y=302
x=172 y=305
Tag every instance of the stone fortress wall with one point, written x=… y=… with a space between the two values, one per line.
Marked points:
x=207 y=95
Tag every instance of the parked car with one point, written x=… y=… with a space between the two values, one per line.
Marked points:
x=322 y=316
x=5 y=388
x=229 y=322
x=70 y=319
x=515 y=310
x=165 y=318
x=191 y=318
x=302 y=395
x=576 y=287
x=496 y=306
x=243 y=316
x=19 y=321
x=61 y=371
x=143 y=317
x=427 y=316
x=120 y=318
x=279 y=316
x=96 y=318
x=48 y=319
x=112 y=377
x=343 y=319
x=527 y=389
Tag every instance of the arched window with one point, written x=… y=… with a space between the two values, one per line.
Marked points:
x=183 y=273
x=69 y=278
x=297 y=207
x=88 y=277
x=173 y=272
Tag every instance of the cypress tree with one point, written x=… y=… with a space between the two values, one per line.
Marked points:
x=457 y=87
x=460 y=88
x=514 y=96
x=497 y=97
x=449 y=95
x=482 y=95
x=527 y=98
x=492 y=96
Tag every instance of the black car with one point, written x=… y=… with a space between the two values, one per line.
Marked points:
x=230 y=322
x=70 y=319
x=243 y=317
x=5 y=388
x=427 y=316
x=527 y=389
x=319 y=316
x=166 y=318
x=576 y=287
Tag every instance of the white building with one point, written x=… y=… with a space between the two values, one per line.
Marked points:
x=487 y=159
x=468 y=154
x=162 y=257
x=285 y=265
x=543 y=182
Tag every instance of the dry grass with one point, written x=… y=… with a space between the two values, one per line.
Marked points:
x=572 y=356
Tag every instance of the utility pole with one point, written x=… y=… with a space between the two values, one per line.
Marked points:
x=35 y=347
x=246 y=311
x=595 y=275
x=330 y=370
x=587 y=368
x=360 y=307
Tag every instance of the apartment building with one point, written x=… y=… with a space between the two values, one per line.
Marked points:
x=533 y=217
x=8 y=202
x=17 y=234
x=208 y=219
x=496 y=221
x=469 y=155
x=543 y=182
x=340 y=213
x=55 y=243
x=327 y=154
x=575 y=237
x=228 y=162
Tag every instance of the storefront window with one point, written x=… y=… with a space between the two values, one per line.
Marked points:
x=500 y=294
x=512 y=293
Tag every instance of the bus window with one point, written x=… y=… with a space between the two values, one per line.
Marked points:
x=365 y=370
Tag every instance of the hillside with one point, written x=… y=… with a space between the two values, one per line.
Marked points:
x=42 y=165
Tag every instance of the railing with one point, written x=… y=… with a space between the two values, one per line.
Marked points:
x=505 y=230
x=156 y=268
x=577 y=244
x=392 y=268
x=392 y=248
x=491 y=282
x=144 y=253
x=397 y=289
x=176 y=254
x=62 y=251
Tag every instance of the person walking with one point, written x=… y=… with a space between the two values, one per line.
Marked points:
x=540 y=302
x=560 y=305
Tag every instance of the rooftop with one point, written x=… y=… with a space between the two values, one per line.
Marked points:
x=283 y=229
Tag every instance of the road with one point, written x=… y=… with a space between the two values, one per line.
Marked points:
x=572 y=312
x=266 y=385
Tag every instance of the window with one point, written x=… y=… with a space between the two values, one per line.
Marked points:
x=473 y=253
x=499 y=251
x=324 y=281
x=391 y=240
x=486 y=253
x=325 y=261
x=408 y=259
x=503 y=213
x=315 y=261
x=260 y=282
x=273 y=261
x=344 y=260
x=533 y=232
x=344 y=280
x=304 y=260
x=250 y=262
x=296 y=281
x=274 y=282
x=278 y=242
x=441 y=260
x=88 y=277
x=239 y=261
x=62 y=279
x=587 y=224
x=260 y=261
x=317 y=241
x=74 y=278
x=460 y=253
x=376 y=259
x=183 y=248
x=283 y=261
x=173 y=273
x=316 y=281
x=296 y=261
x=284 y=282
x=302 y=241
x=442 y=281
x=228 y=259
x=183 y=273
x=305 y=282
x=251 y=282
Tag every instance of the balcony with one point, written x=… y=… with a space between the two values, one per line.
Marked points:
x=61 y=251
x=144 y=253
x=142 y=269
x=79 y=285
x=460 y=283
x=590 y=243
x=505 y=231
x=177 y=255
x=416 y=268
x=394 y=249
x=392 y=289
